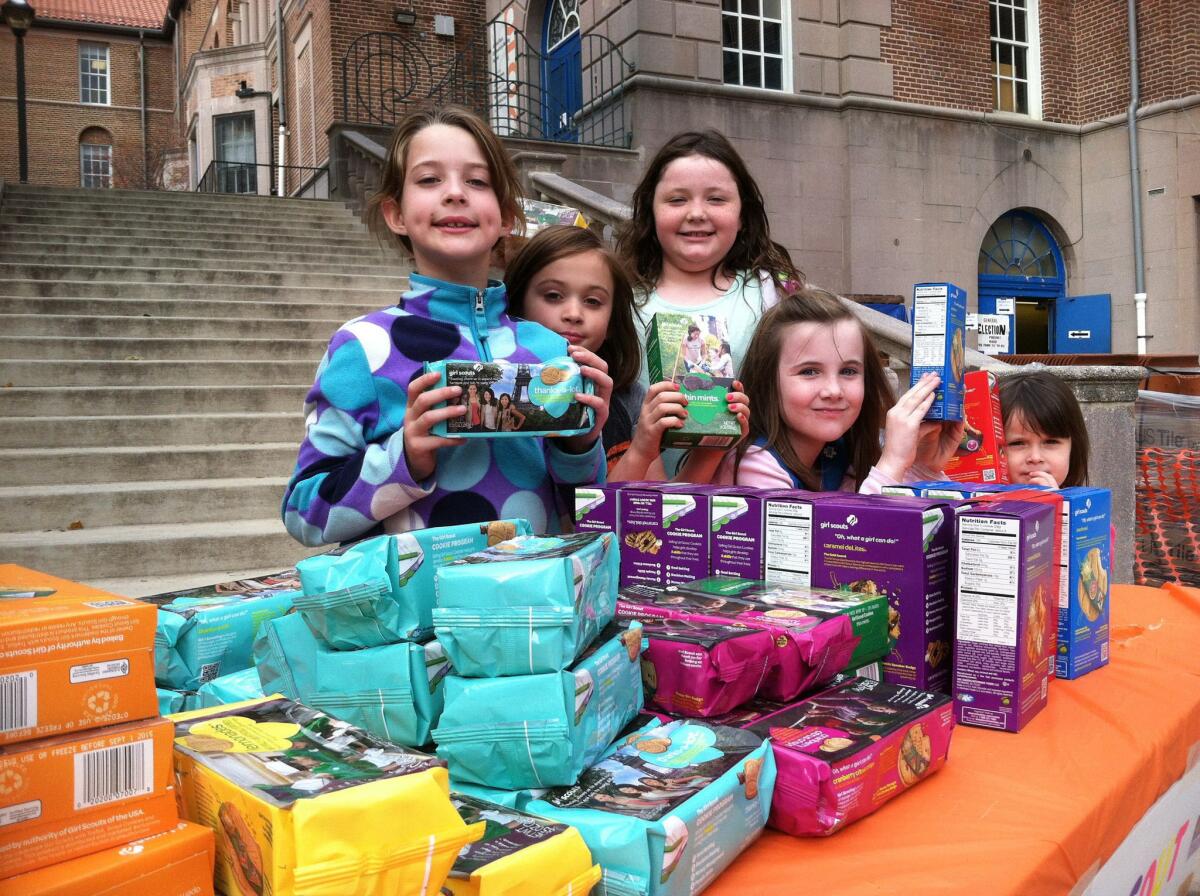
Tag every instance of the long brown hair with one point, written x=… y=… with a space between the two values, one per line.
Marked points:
x=753 y=250
x=503 y=173
x=760 y=376
x=1046 y=405
x=620 y=347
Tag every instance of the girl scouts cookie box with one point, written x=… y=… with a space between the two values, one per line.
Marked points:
x=207 y=632
x=939 y=344
x=394 y=690
x=1006 y=623
x=519 y=853
x=787 y=537
x=303 y=803
x=692 y=351
x=843 y=753
x=528 y=605
x=232 y=688
x=177 y=862
x=900 y=548
x=669 y=807
x=541 y=730
x=701 y=669
x=809 y=648
x=381 y=590
x=664 y=534
x=736 y=532
x=980 y=456
x=506 y=399
x=71 y=657
x=596 y=507
x=1083 y=590
x=66 y=796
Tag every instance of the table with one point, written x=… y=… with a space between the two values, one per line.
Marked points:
x=1031 y=813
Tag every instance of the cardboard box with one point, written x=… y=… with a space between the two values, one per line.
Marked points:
x=980 y=457
x=1006 y=619
x=901 y=548
x=540 y=399
x=596 y=507
x=787 y=536
x=687 y=350
x=736 y=531
x=664 y=534
x=939 y=344
x=1084 y=590
x=67 y=796
x=72 y=658
x=177 y=862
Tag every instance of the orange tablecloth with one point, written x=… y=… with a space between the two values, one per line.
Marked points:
x=1026 y=813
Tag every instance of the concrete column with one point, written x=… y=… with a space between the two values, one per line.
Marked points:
x=239 y=26
x=254 y=32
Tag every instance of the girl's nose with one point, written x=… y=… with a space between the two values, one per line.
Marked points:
x=572 y=310
x=455 y=190
x=831 y=387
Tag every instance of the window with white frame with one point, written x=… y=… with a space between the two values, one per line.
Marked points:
x=95 y=165
x=93 y=74
x=754 y=42
x=1016 y=56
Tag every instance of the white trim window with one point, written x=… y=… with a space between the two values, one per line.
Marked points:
x=1016 y=56
x=754 y=43
x=95 y=165
x=93 y=74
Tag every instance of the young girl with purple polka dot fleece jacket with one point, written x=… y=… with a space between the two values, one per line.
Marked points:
x=351 y=477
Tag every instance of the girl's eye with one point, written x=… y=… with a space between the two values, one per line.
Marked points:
x=808 y=371
x=426 y=179
x=850 y=371
x=1016 y=443
x=478 y=182
x=552 y=295
x=595 y=302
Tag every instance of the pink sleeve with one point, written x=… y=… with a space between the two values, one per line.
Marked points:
x=876 y=479
x=758 y=469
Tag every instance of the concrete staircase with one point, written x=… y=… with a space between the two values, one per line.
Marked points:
x=155 y=349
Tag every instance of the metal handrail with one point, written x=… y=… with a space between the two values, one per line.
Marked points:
x=244 y=178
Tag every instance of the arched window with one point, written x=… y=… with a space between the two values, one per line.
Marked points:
x=95 y=158
x=1019 y=245
x=562 y=20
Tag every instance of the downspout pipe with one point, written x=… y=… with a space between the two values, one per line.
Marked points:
x=280 y=182
x=145 y=129
x=1135 y=183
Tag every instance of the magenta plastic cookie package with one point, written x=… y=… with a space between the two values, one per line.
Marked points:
x=843 y=753
x=808 y=649
x=1007 y=612
x=664 y=533
x=902 y=548
x=701 y=669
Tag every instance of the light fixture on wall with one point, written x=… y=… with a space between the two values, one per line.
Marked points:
x=19 y=16
x=405 y=17
x=245 y=92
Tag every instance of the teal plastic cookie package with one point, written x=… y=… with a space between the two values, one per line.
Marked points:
x=232 y=688
x=505 y=399
x=381 y=590
x=542 y=730
x=669 y=807
x=204 y=633
x=528 y=605
x=393 y=691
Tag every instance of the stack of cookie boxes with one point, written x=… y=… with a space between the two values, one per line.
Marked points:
x=87 y=802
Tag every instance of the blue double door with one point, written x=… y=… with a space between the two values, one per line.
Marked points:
x=562 y=70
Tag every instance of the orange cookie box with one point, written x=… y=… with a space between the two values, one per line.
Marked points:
x=71 y=657
x=178 y=862
x=980 y=457
x=64 y=797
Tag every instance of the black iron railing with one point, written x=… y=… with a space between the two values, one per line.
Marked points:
x=262 y=179
x=501 y=75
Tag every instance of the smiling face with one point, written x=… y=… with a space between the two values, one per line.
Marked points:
x=697 y=214
x=573 y=296
x=448 y=208
x=820 y=383
x=1031 y=452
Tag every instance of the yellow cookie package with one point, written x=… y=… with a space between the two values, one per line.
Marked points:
x=307 y=805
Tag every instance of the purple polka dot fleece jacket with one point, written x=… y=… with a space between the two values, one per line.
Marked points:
x=351 y=477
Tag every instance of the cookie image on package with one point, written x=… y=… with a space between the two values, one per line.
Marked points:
x=893 y=623
x=498 y=531
x=1092 y=588
x=1035 y=626
x=649 y=676
x=958 y=356
x=552 y=376
x=206 y=743
x=245 y=857
x=644 y=542
x=676 y=843
x=633 y=644
x=915 y=756
x=936 y=653
x=749 y=777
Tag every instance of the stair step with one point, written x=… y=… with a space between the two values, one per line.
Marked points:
x=279 y=263
x=121 y=348
x=84 y=195
x=151 y=429
x=156 y=501
x=155 y=549
x=351 y=291
x=189 y=275
x=151 y=586
x=101 y=215
x=262 y=372
x=178 y=306
x=62 y=401
x=186 y=327
x=56 y=466
x=153 y=238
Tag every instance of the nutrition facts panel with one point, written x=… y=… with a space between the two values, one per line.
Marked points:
x=988 y=579
x=929 y=326
x=788 y=556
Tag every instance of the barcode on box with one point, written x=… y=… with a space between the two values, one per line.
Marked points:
x=209 y=671
x=18 y=701
x=106 y=604
x=114 y=773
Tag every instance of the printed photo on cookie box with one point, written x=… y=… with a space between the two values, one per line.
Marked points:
x=664 y=534
x=1006 y=620
x=843 y=753
x=980 y=456
x=901 y=548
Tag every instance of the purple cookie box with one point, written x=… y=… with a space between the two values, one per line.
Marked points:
x=884 y=540
x=682 y=535
x=596 y=508
x=1002 y=663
